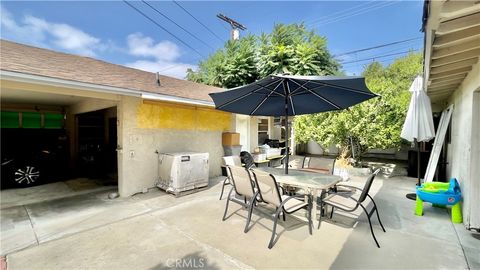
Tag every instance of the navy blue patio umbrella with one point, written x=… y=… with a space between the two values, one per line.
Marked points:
x=288 y=95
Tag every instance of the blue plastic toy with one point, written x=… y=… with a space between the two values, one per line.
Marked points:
x=442 y=194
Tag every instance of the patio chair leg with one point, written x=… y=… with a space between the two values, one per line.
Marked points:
x=309 y=216
x=331 y=213
x=378 y=215
x=223 y=187
x=284 y=215
x=250 y=210
x=275 y=220
x=226 y=207
x=371 y=228
x=379 y=221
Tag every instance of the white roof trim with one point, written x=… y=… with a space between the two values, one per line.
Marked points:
x=37 y=79
x=160 y=97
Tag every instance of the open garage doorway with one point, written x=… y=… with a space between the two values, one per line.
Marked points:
x=95 y=146
x=56 y=145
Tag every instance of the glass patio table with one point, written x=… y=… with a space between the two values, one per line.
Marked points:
x=314 y=184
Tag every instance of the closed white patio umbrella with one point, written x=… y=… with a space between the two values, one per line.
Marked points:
x=418 y=125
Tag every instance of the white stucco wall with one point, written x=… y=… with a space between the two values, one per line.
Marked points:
x=316 y=149
x=242 y=126
x=461 y=165
x=253 y=133
x=138 y=160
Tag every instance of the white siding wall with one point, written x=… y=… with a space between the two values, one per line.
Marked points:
x=461 y=165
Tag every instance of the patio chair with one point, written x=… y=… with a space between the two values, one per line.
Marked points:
x=350 y=204
x=229 y=161
x=269 y=193
x=243 y=186
x=296 y=162
x=319 y=164
x=247 y=159
x=315 y=165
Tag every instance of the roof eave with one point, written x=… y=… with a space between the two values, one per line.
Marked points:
x=36 y=79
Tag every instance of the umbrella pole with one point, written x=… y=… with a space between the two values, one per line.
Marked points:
x=286 y=135
x=418 y=162
x=413 y=196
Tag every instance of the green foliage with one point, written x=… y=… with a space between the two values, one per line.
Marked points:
x=376 y=123
x=288 y=49
x=228 y=67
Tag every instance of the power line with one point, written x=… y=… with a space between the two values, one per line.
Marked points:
x=384 y=61
x=163 y=28
x=339 y=12
x=359 y=12
x=364 y=65
x=355 y=13
x=373 y=58
x=172 y=21
x=378 y=46
x=191 y=15
x=401 y=48
x=377 y=57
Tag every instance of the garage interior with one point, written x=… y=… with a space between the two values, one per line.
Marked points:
x=53 y=139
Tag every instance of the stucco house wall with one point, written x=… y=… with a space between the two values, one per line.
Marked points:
x=148 y=126
x=184 y=121
x=465 y=136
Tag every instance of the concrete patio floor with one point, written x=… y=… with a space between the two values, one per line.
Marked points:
x=158 y=231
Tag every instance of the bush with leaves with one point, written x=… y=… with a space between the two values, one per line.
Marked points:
x=376 y=123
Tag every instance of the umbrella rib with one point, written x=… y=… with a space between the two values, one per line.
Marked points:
x=300 y=86
x=265 y=98
x=246 y=95
x=344 y=88
x=287 y=92
x=324 y=99
x=266 y=87
x=293 y=107
x=235 y=100
x=306 y=89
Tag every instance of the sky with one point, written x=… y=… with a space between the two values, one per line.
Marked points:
x=115 y=32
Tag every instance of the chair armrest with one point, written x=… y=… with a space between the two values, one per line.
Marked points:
x=348 y=186
x=292 y=197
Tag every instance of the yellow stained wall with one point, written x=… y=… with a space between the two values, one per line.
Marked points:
x=153 y=114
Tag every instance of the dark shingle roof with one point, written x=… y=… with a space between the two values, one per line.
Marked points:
x=36 y=61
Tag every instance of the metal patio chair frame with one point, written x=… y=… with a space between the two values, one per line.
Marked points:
x=229 y=161
x=245 y=190
x=330 y=200
x=274 y=197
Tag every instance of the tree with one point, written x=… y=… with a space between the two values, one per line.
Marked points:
x=295 y=50
x=288 y=49
x=376 y=123
x=231 y=66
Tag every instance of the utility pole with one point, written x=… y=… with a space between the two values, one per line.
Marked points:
x=235 y=33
